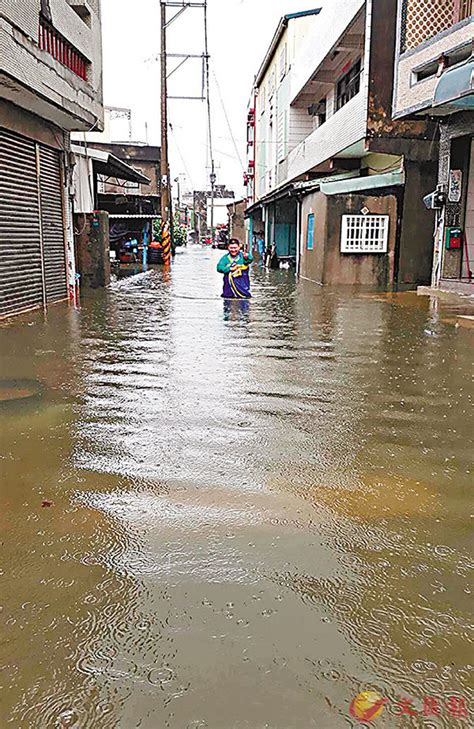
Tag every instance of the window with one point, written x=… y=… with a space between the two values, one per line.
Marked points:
x=466 y=9
x=310 y=233
x=349 y=85
x=262 y=99
x=81 y=8
x=271 y=84
x=435 y=67
x=364 y=233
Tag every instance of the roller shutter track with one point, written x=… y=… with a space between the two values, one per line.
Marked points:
x=53 y=225
x=21 y=286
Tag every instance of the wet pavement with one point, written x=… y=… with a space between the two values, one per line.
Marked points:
x=235 y=515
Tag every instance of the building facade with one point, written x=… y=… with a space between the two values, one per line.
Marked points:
x=50 y=85
x=434 y=79
x=350 y=171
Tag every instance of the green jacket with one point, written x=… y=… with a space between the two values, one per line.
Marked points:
x=226 y=261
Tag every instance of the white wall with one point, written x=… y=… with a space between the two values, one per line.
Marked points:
x=340 y=131
x=333 y=19
x=469 y=223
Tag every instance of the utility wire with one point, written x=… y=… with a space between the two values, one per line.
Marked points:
x=175 y=138
x=228 y=122
x=208 y=98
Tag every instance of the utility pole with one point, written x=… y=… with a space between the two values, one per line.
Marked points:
x=212 y=177
x=165 y=171
x=178 y=7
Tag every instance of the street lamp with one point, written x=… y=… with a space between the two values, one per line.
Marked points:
x=176 y=179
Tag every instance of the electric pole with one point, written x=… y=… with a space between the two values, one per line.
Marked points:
x=165 y=172
x=179 y=7
x=212 y=177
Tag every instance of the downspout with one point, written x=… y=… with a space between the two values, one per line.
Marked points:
x=298 y=234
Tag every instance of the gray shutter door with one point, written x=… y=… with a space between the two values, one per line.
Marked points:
x=52 y=219
x=21 y=285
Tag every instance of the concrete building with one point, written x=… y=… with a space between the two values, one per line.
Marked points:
x=273 y=128
x=202 y=209
x=340 y=197
x=236 y=223
x=434 y=79
x=94 y=228
x=50 y=85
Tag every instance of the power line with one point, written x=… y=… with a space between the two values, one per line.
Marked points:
x=228 y=122
x=181 y=155
x=208 y=99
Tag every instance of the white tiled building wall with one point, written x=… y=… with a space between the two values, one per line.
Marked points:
x=412 y=95
x=22 y=60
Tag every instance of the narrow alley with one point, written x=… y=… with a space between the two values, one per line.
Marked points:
x=233 y=514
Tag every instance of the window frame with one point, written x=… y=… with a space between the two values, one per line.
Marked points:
x=352 y=234
x=349 y=85
x=310 y=232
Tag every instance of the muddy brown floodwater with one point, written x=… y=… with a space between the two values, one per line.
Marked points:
x=235 y=516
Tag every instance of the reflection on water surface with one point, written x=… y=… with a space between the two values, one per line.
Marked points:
x=257 y=510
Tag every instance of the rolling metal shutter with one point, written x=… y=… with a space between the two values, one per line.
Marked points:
x=21 y=280
x=52 y=218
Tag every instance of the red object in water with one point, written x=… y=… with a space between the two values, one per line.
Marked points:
x=125 y=258
x=45 y=504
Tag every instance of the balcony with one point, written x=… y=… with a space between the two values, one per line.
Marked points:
x=341 y=131
x=61 y=50
x=422 y=21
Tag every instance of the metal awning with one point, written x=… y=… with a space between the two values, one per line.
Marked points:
x=131 y=216
x=109 y=165
x=360 y=184
x=455 y=88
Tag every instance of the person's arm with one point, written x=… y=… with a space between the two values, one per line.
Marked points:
x=248 y=258
x=224 y=265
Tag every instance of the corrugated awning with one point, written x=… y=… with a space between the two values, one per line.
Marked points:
x=455 y=88
x=360 y=184
x=109 y=165
x=130 y=216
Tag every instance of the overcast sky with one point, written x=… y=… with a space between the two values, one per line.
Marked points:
x=239 y=34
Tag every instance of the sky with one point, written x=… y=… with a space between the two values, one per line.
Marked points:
x=240 y=32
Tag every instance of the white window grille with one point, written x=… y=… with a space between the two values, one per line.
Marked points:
x=281 y=136
x=283 y=62
x=364 y=233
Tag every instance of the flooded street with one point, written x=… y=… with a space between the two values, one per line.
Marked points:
x=234 y=514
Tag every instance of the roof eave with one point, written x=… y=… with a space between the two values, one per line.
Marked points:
x=282 y=25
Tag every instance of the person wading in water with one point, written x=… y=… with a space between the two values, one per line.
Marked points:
x=235 y=267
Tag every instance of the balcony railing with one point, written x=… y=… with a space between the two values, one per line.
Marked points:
x=61 y=50
x=423 y=20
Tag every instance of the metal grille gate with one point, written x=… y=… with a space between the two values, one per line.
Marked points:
x=21 y=280
x=32 y=247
